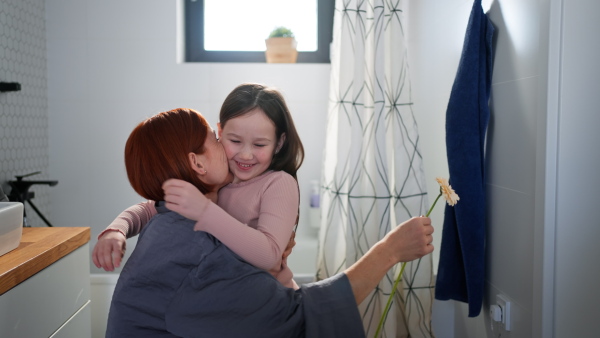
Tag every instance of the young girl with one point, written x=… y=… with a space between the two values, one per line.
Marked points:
x=256 y=213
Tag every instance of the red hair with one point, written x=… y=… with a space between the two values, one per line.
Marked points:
x=157 y=149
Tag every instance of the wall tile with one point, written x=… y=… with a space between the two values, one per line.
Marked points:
x=509 y=242
x=23 y=114
x=517 y=33
x=511 y=143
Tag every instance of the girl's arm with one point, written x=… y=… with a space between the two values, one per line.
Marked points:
x=276 y=203
x=132 y=220
x=263 y=244
x=110 y=248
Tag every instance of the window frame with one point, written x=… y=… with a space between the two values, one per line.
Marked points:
x=194 y=38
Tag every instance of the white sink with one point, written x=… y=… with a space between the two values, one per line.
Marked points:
x=11 y=226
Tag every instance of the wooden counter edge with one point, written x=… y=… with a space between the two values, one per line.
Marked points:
x=39 y=248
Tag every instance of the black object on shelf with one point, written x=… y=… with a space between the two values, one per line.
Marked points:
x=20 y=193
x=10 y=87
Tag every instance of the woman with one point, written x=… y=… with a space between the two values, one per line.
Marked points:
x=181 y=282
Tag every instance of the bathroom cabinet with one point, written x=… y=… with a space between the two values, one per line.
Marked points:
x=45 y=285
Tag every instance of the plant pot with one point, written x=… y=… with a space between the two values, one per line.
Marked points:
x=281 y=50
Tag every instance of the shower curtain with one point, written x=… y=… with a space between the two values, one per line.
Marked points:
x=372 y=176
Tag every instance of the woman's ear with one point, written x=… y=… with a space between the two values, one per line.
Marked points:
x=219 y=130
x=280 y=142
x=196 y=164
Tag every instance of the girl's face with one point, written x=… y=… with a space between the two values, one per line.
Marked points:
x=215 y=161
x=250 y=142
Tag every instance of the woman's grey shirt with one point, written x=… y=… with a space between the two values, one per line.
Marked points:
x=184 y=283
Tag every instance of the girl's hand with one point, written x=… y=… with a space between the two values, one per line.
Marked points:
x=184 y=198
x=109 y=250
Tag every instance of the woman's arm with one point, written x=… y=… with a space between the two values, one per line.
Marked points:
x=326 y=308
x=110 y=248
x=408 y=241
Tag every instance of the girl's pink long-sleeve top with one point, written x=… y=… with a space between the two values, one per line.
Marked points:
x=255 y=219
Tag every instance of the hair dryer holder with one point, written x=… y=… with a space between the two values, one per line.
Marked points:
x=20 y=193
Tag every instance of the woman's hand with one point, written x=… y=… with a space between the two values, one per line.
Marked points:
x=408 y=241
x=184 y=198
x=109 y=250
x=289 y=247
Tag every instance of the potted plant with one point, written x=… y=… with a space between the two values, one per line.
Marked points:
x=281 y=46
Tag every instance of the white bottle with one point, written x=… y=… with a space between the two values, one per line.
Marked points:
x=315 y=205
x=315 y=196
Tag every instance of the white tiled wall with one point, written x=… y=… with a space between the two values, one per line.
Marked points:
x=23 y=114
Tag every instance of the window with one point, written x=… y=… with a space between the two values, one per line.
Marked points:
x=235 y=30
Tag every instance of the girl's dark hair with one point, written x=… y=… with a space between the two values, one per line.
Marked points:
x=249 y=96
x=157 y=149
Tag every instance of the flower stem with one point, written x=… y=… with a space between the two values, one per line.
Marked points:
x=398 y=279
x=433 y=205
x=389 y=302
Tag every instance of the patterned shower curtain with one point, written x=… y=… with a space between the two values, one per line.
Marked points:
x=372 y=177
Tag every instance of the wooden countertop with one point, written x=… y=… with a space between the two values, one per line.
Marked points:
x=39 y=248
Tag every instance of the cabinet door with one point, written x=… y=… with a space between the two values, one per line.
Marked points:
x=42 y=304
x=77 y=326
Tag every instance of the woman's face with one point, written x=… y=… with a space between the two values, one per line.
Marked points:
x=215 y=162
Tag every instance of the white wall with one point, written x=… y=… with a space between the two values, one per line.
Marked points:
x=541 y=154
x=511 y=147
x=113 y=63
x=578 y=159
x=512 y=162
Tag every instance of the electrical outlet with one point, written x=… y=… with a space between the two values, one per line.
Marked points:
x=496 y=313
x=504 y=304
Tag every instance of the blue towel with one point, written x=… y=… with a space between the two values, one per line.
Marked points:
x=461 y=270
